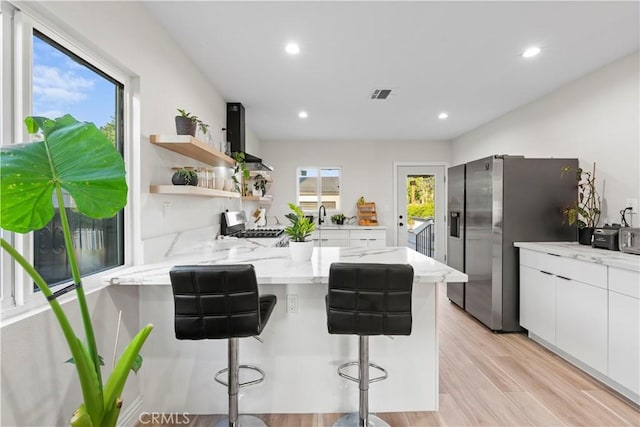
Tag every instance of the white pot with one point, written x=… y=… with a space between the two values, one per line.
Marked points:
x=257 y=193
x=301 y=251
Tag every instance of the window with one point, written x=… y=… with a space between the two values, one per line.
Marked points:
x=318 y=186
x=63 y=83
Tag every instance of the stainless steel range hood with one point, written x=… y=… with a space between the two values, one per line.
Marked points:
x=236 y=136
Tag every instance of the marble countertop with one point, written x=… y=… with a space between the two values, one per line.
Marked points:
x=585 y=253
x=274 y=265
x=350 y=227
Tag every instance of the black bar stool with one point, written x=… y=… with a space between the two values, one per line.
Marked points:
x=364 y=300
x=222 y=302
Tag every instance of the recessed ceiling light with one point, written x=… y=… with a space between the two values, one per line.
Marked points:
x=531 y=52
x=292 y=49
x=303 y=114
x=443 y=116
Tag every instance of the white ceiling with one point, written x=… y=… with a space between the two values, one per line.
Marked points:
x=459 y=57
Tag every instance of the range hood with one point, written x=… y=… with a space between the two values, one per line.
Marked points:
x=236 y=136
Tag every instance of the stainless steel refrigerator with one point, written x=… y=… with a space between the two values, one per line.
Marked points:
x=492 y=203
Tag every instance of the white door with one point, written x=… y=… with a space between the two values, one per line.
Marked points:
x=420 y=204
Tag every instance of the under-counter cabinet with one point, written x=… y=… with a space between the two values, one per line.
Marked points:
x=588 y=312
x=330 y=238
x=538 y=302
x=624 y=328
x=350 y=237
x=368 y=238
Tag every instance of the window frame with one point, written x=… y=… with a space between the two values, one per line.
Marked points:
x=319 y=188
x=18 y=27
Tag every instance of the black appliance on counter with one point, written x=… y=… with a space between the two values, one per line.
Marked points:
x=494 y=202
x=236 y=136
x=233 y=223
x=606 y=237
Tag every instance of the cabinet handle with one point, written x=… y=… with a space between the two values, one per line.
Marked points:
x=565 y=278
x=546 y=272
x=552 y=254
x=325 y=240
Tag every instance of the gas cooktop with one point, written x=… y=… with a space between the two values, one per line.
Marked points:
x=259 y=232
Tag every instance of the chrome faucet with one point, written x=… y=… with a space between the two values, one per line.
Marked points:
x=321 y=212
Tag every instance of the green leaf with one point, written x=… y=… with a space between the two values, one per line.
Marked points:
x=100 y=358
x=137 y=364
x=75 y=155
x=118 y=378
x=81 y=418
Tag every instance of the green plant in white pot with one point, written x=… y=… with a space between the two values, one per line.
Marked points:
x=75 y=157
x=301 y=227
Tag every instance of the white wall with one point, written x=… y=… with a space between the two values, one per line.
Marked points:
x=595 y=119
x=367 y=170
x=37 y=387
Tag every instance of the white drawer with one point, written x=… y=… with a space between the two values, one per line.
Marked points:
x=539 y=260
x=368 y=234
x=582 y=271
x=625 y=282
x=330 y=234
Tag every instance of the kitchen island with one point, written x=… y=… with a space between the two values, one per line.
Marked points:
x=299 y=356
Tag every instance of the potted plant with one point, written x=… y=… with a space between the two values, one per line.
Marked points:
x=240 y=174
x=187 y=124
x=338 y=219
x=185 y=176
x=76 y=157
x=586 y=212
x=301 y=227
x=259 y=185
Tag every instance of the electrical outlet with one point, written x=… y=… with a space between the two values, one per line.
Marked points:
x=292 y=304
x=166 y=208
x=631 y=203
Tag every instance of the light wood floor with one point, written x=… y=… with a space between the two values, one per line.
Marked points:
x=489 y=379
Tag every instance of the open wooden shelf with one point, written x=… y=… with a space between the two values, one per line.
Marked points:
x=263 y=199
x=192 y=147
x=190 y=190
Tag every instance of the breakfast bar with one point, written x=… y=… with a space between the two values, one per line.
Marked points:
x=299 y=356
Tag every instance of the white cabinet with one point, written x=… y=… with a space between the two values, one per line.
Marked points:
x=538 y=303
x=364 y=238
x=368 y=238
x=624 y=328
x=581 y=322
x=559 y=307
x=589 y=311
x=328 y=238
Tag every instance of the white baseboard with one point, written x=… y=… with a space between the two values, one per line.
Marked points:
x=130 y=417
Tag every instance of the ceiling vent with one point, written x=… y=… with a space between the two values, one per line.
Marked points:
x=380 y=93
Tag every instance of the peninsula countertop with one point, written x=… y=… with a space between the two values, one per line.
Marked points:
x=585 y=253
x=274 y=265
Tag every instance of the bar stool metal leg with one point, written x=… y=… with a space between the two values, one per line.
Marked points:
x=363 y=418
x=235 y=420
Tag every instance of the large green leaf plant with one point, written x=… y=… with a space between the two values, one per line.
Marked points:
x=77 y=157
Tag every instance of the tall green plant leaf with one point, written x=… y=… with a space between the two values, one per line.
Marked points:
x=74 y=155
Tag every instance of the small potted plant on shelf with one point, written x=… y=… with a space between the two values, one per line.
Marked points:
x=185 y=176
x=259 y=185
x=301 y=227
x=187 y=124
x=338 y=219
x=586 y=212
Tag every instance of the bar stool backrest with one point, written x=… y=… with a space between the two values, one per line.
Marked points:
x=369 y=299
x=215 y=301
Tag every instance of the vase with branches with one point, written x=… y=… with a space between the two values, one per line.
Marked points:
x=586 y=212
